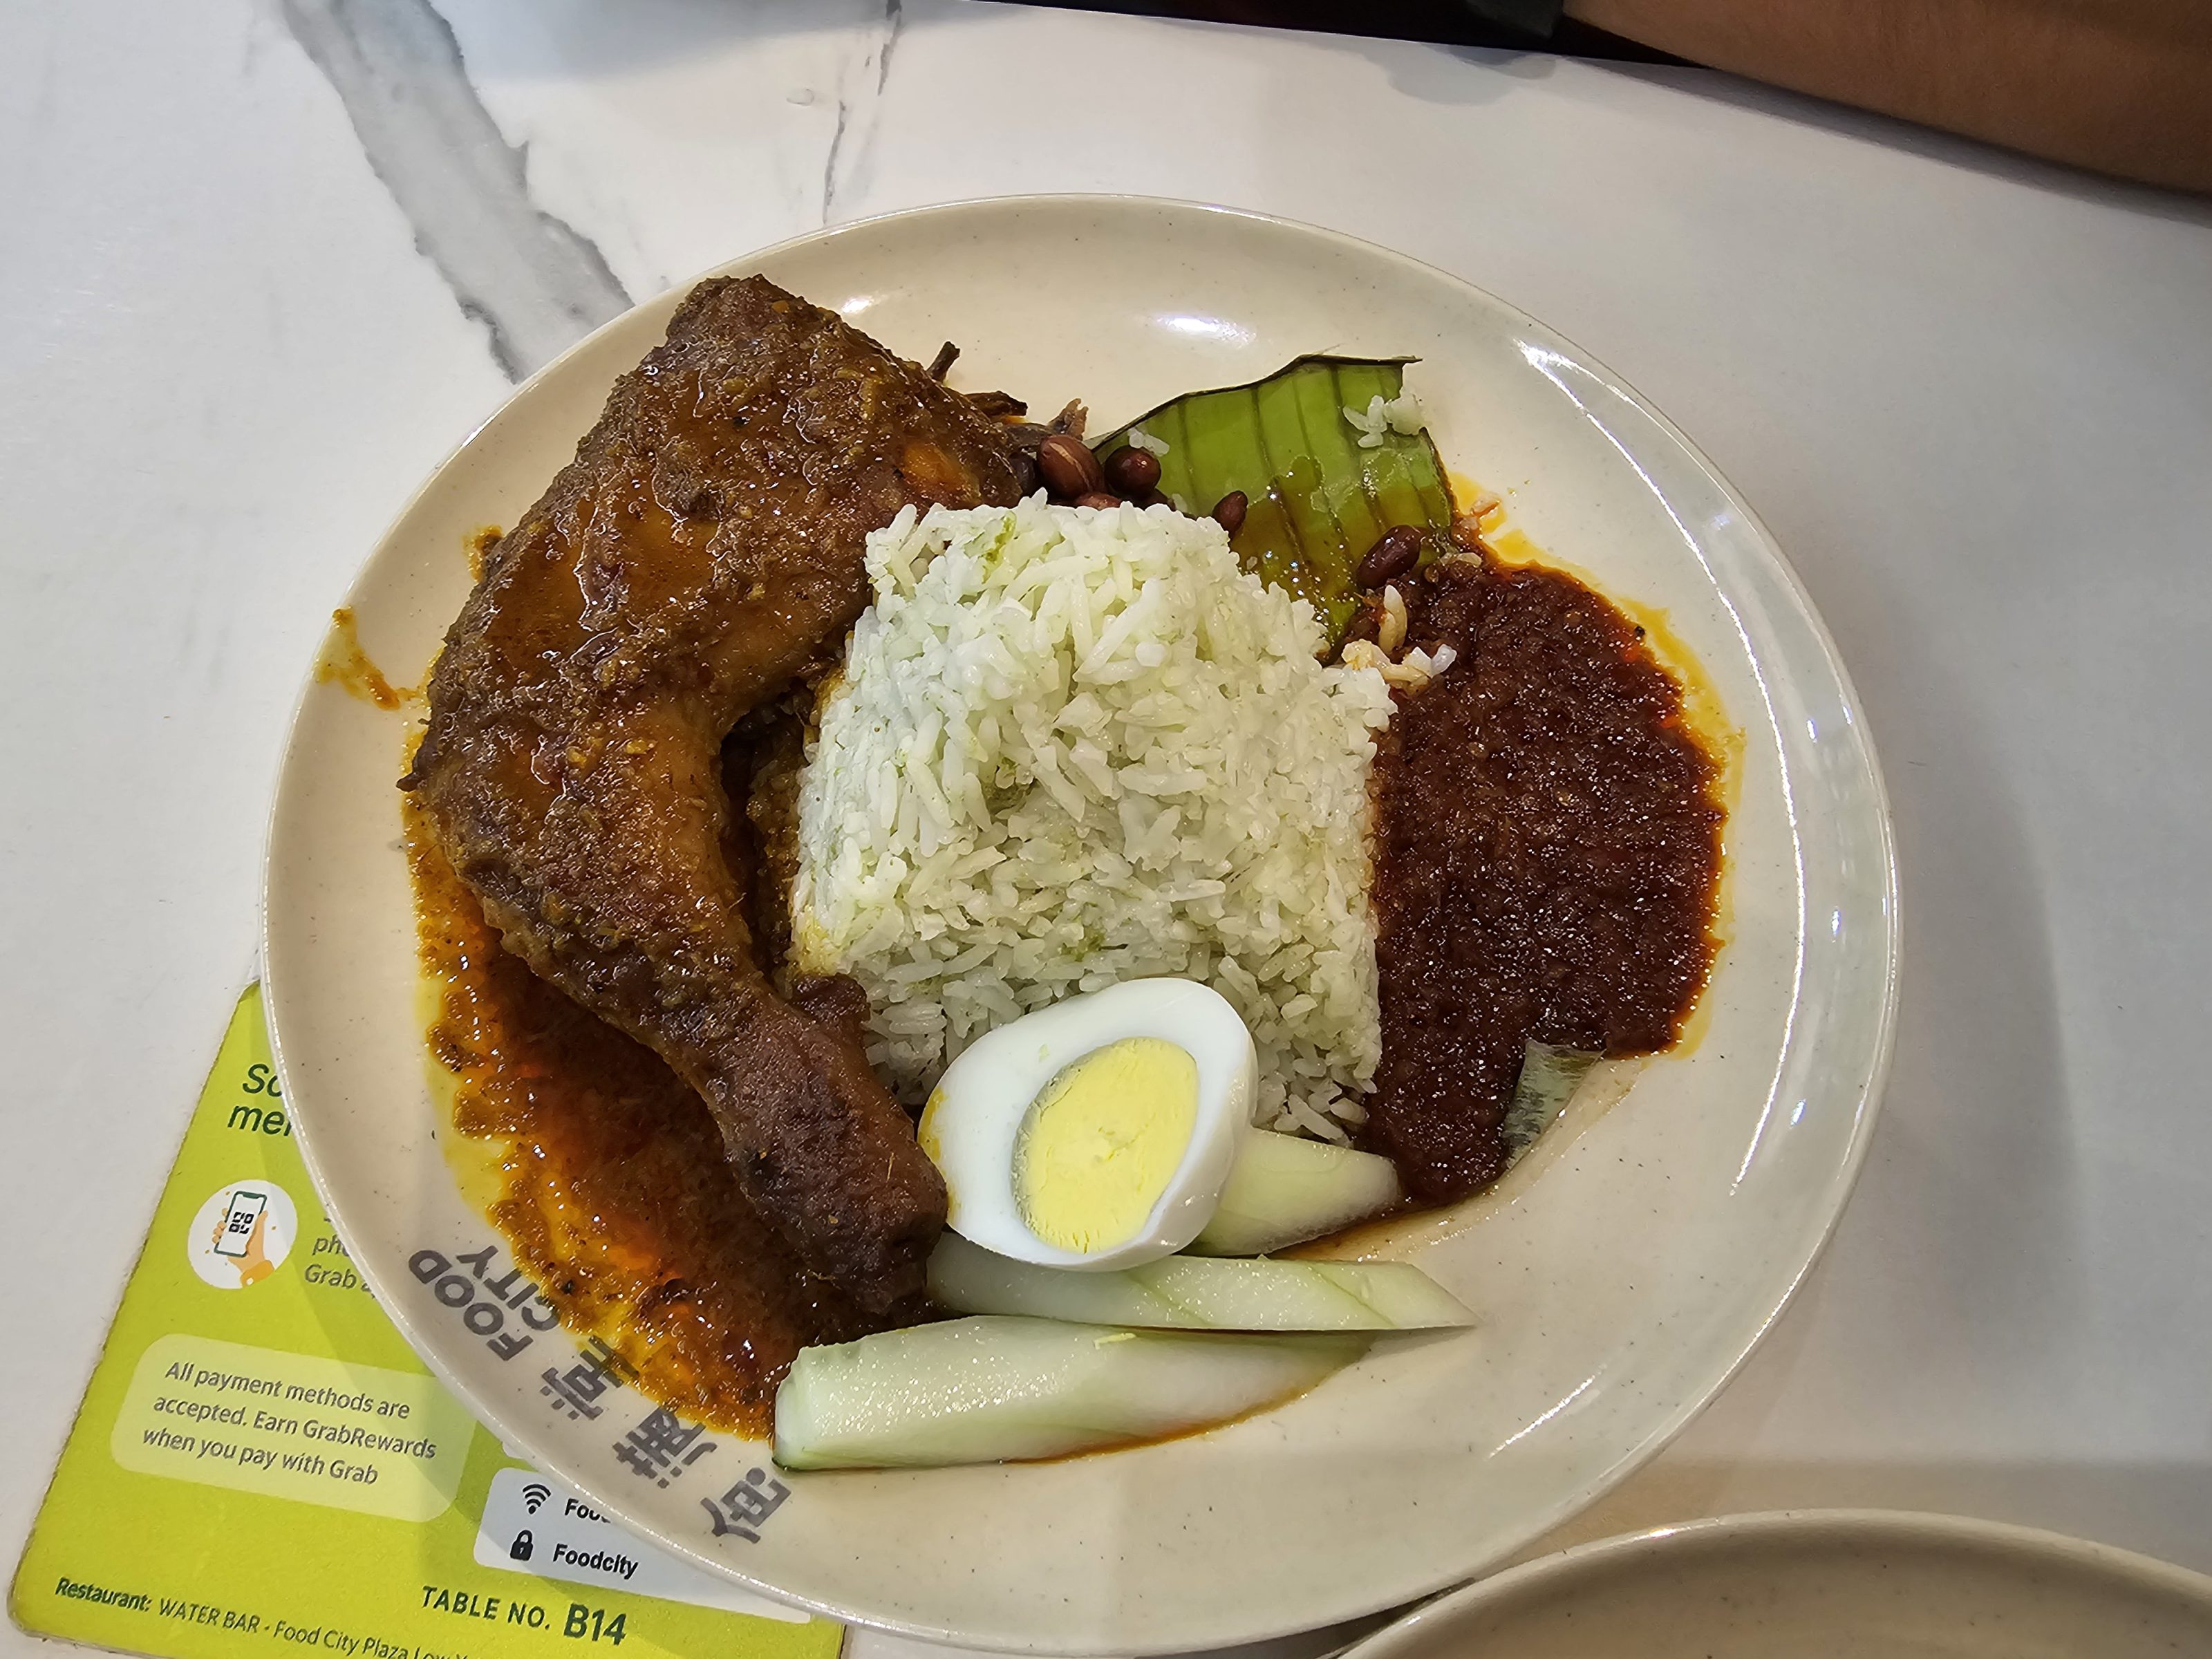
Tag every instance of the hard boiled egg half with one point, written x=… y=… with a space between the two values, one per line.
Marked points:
x=1096 y=1132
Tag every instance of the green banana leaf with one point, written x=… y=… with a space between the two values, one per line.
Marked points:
x=1316 y=501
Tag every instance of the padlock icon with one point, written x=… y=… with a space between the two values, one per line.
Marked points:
x=520 y=1548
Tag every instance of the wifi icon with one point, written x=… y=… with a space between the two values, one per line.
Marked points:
x=534 y=1496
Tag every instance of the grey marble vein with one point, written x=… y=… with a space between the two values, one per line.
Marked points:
x=534 y=282
x=886 y=43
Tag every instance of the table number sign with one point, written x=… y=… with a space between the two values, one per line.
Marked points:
x=261 y=1465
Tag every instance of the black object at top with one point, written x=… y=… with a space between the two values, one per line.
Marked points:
x=1537 y=17
x=1504 y=24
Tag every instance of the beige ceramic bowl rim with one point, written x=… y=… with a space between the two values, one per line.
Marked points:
x=1448 y=1572
x=1585 y=1564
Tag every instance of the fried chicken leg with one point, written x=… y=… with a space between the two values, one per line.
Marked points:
x=702 y=550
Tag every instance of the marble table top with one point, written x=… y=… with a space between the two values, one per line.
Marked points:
x=267 y=261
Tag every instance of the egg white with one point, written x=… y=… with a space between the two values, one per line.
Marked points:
x=975 y=1114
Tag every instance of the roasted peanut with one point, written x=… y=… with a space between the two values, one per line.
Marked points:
x=1068 y=467
x=1133 y=470
x=1395 y=552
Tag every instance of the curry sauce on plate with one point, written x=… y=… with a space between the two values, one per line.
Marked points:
x=607 y=1179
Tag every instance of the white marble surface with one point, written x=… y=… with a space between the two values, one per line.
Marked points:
x=266 y=262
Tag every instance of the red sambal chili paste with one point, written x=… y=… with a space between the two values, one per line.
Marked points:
x=1547 y=861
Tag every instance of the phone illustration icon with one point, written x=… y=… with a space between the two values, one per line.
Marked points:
x=246 y=1208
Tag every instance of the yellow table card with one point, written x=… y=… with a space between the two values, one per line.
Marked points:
x=262 y=1466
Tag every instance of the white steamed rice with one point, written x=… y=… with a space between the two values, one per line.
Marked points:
x=1073 y=747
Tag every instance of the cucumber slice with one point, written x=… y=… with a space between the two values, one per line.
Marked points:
x=1284 y=1190
x=1198 y=1293
x=990 y=1389
x=1549 y=1077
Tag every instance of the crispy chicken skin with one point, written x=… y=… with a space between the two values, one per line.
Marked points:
x=703 y=551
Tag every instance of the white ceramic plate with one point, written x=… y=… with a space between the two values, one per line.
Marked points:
x=1820 y=1584
x=1621 y=1274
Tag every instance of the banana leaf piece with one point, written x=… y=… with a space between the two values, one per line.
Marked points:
x=1317 y=500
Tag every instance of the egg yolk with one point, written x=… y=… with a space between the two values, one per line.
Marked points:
x=1101 y=1141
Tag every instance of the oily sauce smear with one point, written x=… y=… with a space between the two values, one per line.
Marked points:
x=343 y=663
x=613 y=1191
x=1547 y=864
